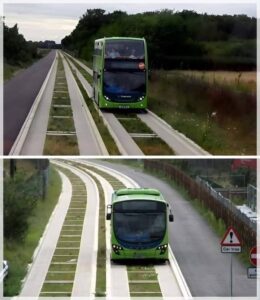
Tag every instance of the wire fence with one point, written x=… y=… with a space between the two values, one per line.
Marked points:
x=213 y=200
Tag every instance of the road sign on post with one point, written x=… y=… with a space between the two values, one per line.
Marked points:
x=254 y=257
x=231 y=242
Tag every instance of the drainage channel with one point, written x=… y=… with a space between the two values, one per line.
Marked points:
x=142 y=279
x=60 y=276
x=61 y=134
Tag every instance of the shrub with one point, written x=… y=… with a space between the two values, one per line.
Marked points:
x=20 y=197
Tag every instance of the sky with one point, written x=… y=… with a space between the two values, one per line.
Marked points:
x=53 y=21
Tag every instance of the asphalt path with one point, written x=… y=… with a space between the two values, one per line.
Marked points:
x=19 y=95
x=195 y=245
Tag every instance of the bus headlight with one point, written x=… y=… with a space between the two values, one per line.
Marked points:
x=162 y=248
x=106 y=98
x=117 y=249
x=141 y=98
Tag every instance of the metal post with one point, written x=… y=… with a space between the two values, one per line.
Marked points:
x=231 y=276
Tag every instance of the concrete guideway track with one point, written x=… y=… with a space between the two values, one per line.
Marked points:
x=166 y=273
x=85 y=276
x=119 y=287
x=89 y=139
x=122 y=138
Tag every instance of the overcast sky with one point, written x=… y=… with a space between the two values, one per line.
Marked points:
x=54 y=21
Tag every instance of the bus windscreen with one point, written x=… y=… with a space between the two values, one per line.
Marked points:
x=139 y=222
x=119 y=84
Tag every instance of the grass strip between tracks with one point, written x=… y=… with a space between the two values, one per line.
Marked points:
x=142 y=289
x=19 y=253
x=104 y=132
x=61 y=144
x=70 y=237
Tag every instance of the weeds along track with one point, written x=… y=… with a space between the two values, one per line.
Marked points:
x=133 y=279
x=138 y=133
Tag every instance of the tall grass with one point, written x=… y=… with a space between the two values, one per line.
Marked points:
x=219 y=117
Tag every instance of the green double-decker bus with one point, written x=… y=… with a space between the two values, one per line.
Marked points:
x=139 y=224
x=120 y=73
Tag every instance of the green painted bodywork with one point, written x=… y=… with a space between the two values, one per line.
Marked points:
x=98 y=68
x=138 y=194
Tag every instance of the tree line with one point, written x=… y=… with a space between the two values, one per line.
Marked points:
x=16 y=49
x=175 y=39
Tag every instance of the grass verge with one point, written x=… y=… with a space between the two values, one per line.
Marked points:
x=19 y=254
x=220 y=118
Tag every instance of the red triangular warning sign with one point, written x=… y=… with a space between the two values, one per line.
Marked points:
x=231 y=238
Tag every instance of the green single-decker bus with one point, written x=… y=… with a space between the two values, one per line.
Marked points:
x=139 y=224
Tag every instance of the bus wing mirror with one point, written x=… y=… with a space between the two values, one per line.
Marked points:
x=109 y=208
x=171 y=218
x=98 y=76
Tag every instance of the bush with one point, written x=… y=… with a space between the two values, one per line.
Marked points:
x=20 y=197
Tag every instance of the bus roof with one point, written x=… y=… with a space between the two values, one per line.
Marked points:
x=138 y=193
x=119 y=38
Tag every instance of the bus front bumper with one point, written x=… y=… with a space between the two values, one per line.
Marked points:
x=124 y=253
